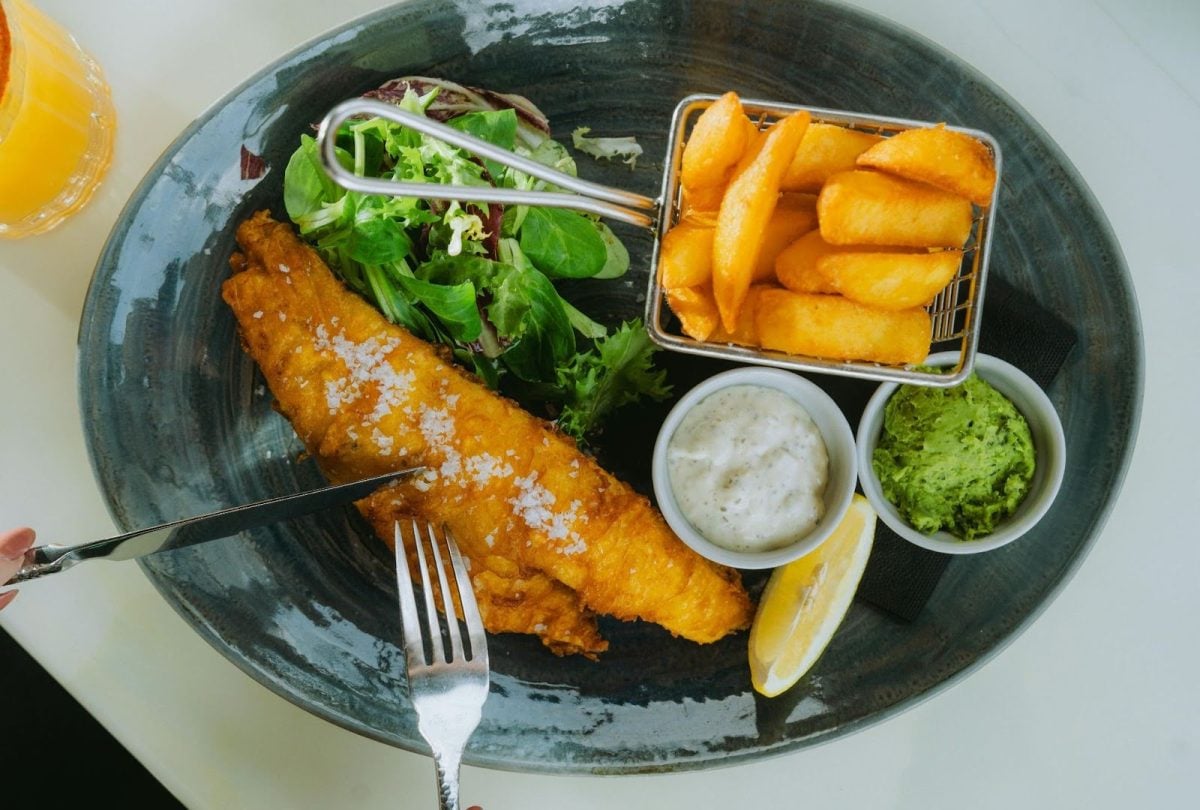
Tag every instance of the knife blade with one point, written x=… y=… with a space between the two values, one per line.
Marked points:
x=50 y=559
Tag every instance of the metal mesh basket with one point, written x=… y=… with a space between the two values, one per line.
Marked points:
x=955 y=311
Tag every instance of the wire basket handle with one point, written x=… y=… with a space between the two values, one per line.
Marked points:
x=614 y=203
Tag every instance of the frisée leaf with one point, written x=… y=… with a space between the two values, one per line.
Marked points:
x=618 y=370
x=607 y=148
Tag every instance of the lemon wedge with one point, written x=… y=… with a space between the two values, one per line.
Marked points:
x=806 y=600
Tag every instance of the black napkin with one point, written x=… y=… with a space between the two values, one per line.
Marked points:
x=900 y=577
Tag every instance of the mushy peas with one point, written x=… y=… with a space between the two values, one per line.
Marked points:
x=956 y=459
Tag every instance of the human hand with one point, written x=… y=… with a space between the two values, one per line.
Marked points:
x=13 y=545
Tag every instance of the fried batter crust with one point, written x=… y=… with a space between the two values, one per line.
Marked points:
x=551 y=538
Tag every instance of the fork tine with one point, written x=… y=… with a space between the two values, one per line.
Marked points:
x=456 y=645
x=448 y=696
x=437 y=647
x=409 y=620
x=466 y=597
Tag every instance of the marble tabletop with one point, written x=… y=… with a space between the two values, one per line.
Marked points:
x=1093 y=706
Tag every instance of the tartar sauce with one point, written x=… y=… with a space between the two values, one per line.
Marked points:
x=748 y=468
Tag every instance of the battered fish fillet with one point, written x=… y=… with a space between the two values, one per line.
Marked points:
x=552 y=539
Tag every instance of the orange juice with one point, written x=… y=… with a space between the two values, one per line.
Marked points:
x=56 y=122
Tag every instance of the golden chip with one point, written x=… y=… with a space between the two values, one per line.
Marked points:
x=890 y=280
x=794 y=216
x=701 y=205
x=695 y=309
x=825 y=150
x=796 y=265
x=716 y=143
x=745 y=332
x=686 y=256
x=871 y=208
x=836 y=328
x=745 y=210
x=950 y=160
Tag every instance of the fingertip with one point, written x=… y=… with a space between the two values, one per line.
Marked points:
x=21 y=534
x=15 y=542
x=7 y=597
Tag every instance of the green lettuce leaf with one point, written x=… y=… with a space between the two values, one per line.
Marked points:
x=452 y=304
x=607 y=148
x=616 y=256
x=496 y=127
x=528 y=311
x=618 y=370
x=562 y=244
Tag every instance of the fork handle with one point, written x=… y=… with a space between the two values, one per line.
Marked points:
x=447 y=766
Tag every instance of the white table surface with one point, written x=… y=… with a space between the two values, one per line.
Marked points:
x=1095 y=705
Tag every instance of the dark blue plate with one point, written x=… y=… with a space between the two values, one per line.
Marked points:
x=178 y=422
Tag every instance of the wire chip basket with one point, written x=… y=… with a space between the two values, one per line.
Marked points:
x=955 y=312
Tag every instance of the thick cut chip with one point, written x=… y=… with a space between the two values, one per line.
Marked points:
x=890 y=280
x=796 y=265
x=695 y=309
x=701 y=204
x=871 y=208
x=950 y=160
x=752 y=132
x=716 y=143
x=794 y=216
x=836 y=328
x=745 y=210
x=825 y=150
x=745 y=332
x=686 y=256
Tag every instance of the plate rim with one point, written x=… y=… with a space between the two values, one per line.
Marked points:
x=711 y=759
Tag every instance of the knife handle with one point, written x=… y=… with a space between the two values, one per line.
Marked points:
x=40 y=561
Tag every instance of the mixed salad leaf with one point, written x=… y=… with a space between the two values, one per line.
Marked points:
x=475 y=277
x=607 y=148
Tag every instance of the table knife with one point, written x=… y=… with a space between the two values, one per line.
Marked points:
x=50 y=559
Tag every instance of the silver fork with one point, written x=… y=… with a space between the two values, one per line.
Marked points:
x=447 y=688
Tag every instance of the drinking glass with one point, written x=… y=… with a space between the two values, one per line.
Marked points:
x=56 y=122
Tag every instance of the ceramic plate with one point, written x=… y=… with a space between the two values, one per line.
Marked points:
x=178 y=421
